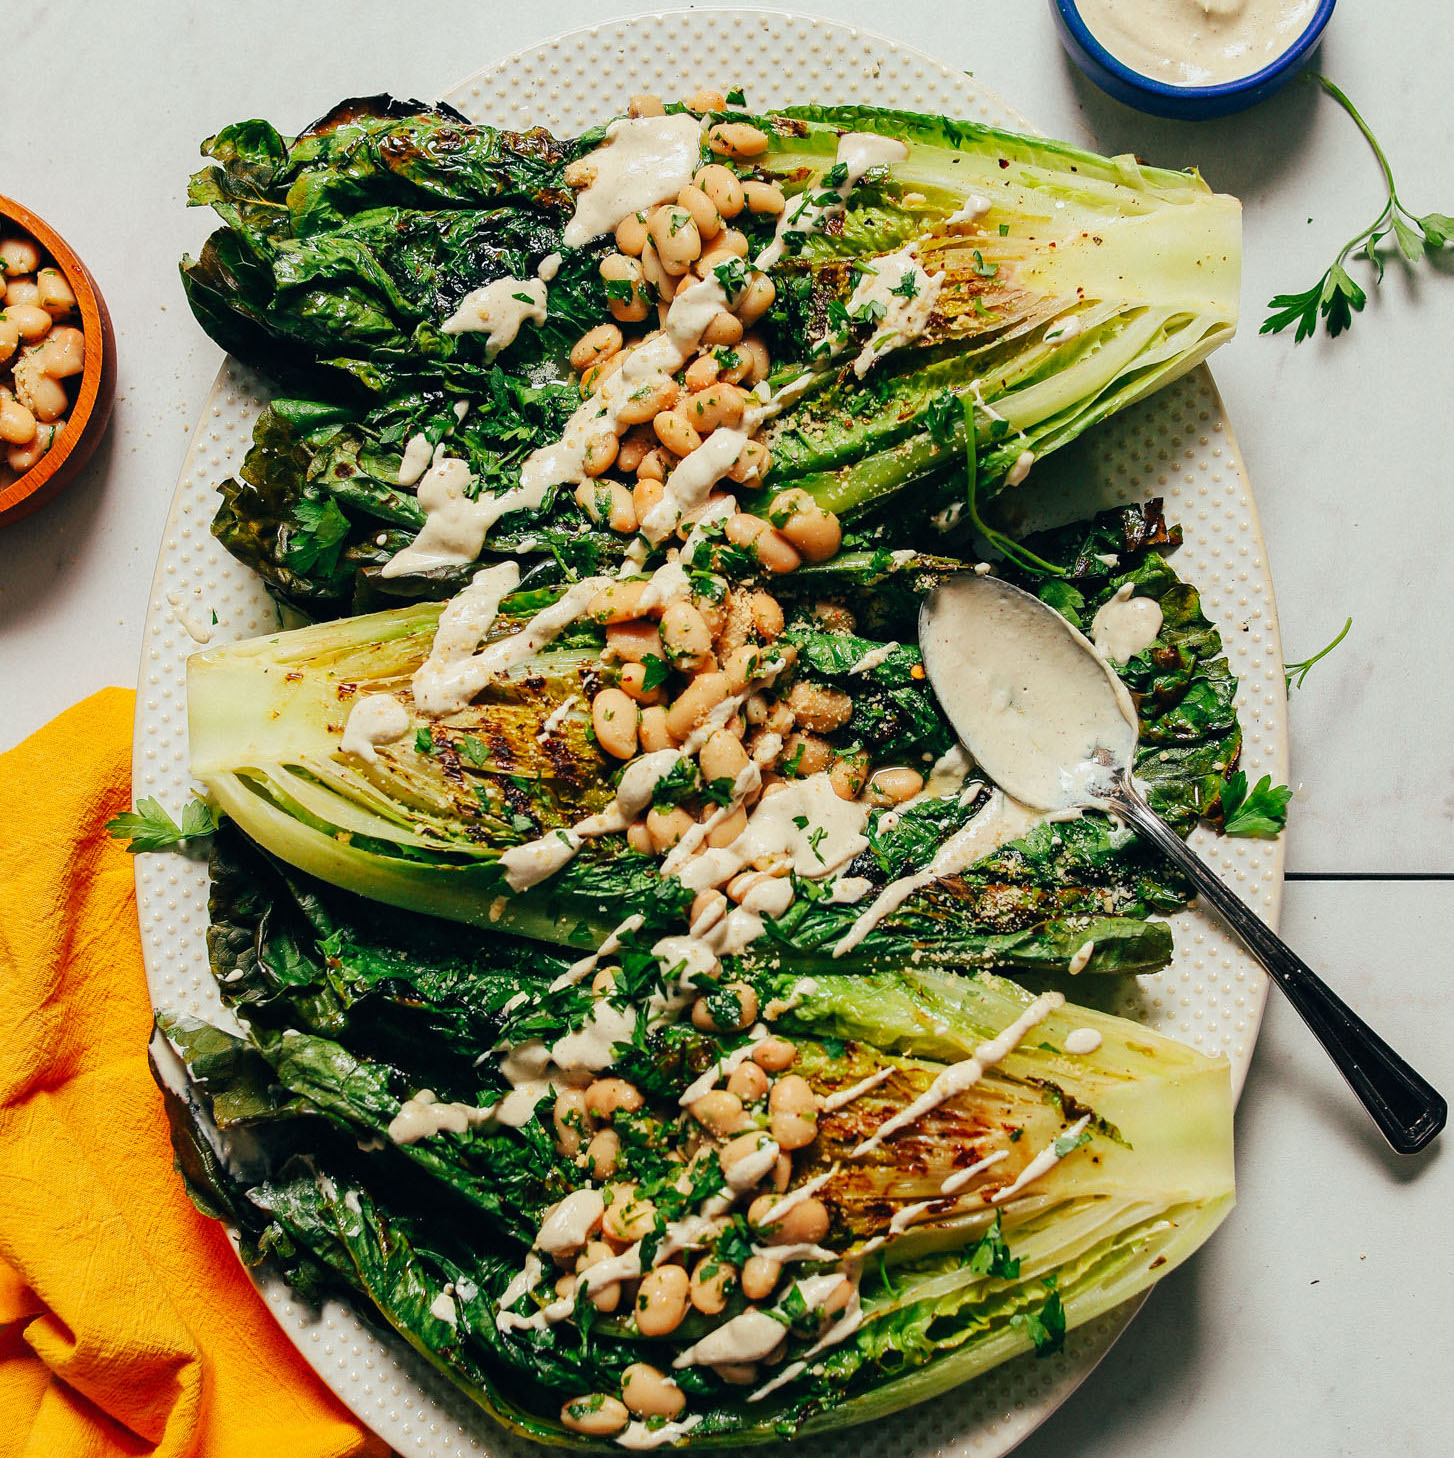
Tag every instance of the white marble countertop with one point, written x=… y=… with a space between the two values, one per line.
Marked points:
x=1317 y=1321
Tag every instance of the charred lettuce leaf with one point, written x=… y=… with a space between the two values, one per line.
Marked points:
x=344 y=246
x=1183 y=686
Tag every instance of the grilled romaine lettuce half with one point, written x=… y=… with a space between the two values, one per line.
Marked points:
x=1088 y=283
x=348 y=1012
x=423 y=827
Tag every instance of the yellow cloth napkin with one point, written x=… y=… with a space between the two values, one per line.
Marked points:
x=126 y=1323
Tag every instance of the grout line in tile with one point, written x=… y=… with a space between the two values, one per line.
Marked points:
x=1369 y=876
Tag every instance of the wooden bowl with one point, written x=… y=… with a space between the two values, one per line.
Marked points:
x=91 y=411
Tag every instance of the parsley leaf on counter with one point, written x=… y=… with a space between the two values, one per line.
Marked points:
x=1336 y=296
x=1260 y=812
x=150 y=828
x=1295 y=673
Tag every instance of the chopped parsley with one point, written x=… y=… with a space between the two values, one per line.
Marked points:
x=655 y=671
x=990 y=1255
x=1068 y=1143
x=1046 y=1327
x=732 y=275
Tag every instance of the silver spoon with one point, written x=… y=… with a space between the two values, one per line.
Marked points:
x=1049 y=721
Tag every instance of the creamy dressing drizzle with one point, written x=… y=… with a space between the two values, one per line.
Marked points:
x=454 y=526
x=810 y=211
x=829 y=837
x=961 y=1177
x=1066 y=327
x=534 y=1068
x=557 y=717
x=1044 y=1161
x=1082 y=1040
x=422 y=1115
x=439 y=682
x=805 y=987
x=849 y=890
x=1028 y=693
x=688 y=1234
x=199 y=630
x=975 y=207
x=794 y=1198
x=526 y=865
x=958 y=1078
x=904 y=318
x=1126 y=625
x=1081 y=959
x=524 y=1280
x=578 y=971
x=497 y=310
x=373 y=720
x=417 y=455
x=909 y=1214
x=873 y=658
x=645 y=365
x=570 y=1222
x=722 y=1068
x=841 y=1330
x=754 y=1334
x=641 y=162
x=1001 y=821
x=1017 y=473
x=638 y=1435
x=949 y=772
x=1196 y=42
x=846 y=1096
x=803 y=1250
x=470 y=672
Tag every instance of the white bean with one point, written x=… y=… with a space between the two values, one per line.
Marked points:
x=596 y=1415
x=661 y=1300
x=651 y=1393
x=615 y=719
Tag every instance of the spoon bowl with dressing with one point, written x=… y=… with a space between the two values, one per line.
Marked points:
x=1046 y=717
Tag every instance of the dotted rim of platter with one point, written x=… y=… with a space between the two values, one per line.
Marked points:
x=1178 y=444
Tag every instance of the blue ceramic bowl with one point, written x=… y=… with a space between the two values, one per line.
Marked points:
x=1189 y=103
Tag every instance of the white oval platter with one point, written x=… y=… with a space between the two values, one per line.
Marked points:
x=1178 y=445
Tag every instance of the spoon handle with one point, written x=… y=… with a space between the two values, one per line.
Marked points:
x=1404 y=1105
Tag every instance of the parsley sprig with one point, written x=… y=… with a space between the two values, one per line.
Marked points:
x=1336 y=296
x=1261 y=811
x=317 y=536
x=1296 y=672
x=150 y=828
